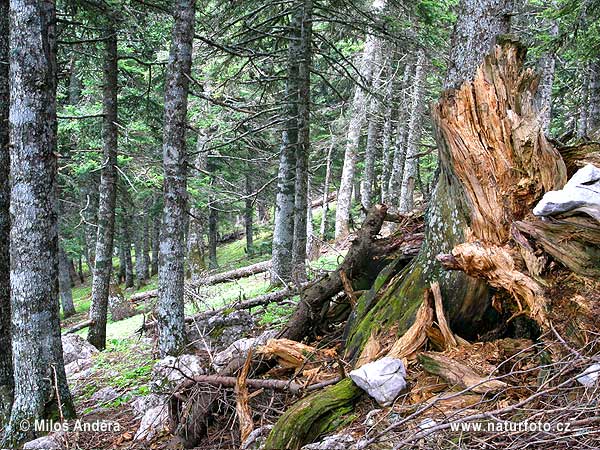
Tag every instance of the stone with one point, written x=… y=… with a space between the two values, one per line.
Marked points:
x=105 y=395
x=44 y=443
x=581 y=194
x=383 y=379
x=589 y=377
x=240 y=349
x=75 y=347
x=257 y=439
x=170 y=371
x=334 y=442
x=153 y=423
x=219 y=331
x=142 y=404
x=77 y=366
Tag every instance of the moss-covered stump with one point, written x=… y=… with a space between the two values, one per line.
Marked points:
x=314 y=415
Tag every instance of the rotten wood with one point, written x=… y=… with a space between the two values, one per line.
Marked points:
x=242 y=408
x=457 y=374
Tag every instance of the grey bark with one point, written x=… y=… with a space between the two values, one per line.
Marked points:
x=108 y=193
x=544 y=94
x=373 y=134
x=89 y=214
x=582 y=121
x=6 y=377
x=195 y=241
x=141 y=257
x=36 y=344
x=414 y=137
x=170 y=307
x=155 y=245
x=283 y=230
x=248 y=214
x=386 y=133
x=325 y=206
x=126 y=249
x=399 y=158
x=64 y=283
x=593 y=115
x=213 y=238
x=303 y=147
x=358 y=113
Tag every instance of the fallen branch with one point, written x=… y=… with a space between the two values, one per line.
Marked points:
x=223 y=277
x=77 y=327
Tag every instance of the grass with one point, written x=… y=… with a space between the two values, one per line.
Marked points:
x=234 y=256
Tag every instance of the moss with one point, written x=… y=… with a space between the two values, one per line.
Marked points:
x=314 y=415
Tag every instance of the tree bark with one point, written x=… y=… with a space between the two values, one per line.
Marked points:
x=156 y=223
x=544 y=94
x=593 y=114
x=303 y=148
x=170 y=307
x=6 y=376
x=414 y=136
x=358 y=113
x=213 y=235
x=196 y=250
x=248 y=215
x=325 y=204
x=283 y=228
x=399 y=154
x=141 y=268
x=386 y=134
x=64 y=283
x=108 y=193
x=36 y=345
x=89 y=213
x=126 y=243
x=373 y=134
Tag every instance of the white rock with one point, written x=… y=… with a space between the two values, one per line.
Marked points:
x=77 y=366
x=153 y=423
x=43 y=443
x=590 y=376
x=169 y=371
x=335 y=442
x=75 y=347
x=383 y=379
x=240 y=348
x=105 y=395
x=142 y=404
x=580 y=194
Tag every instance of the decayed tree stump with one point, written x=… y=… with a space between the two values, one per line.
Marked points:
x=495 y=165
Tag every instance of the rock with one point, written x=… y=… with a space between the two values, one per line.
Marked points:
x=142 y=404
x=75 y=347
x=589 y=377
x=240 y=349
x=580 y=194
x=77 y=366
x=256 y=439
x=335 y=442
x=105 y=395
x=383 y=379
x=169 y=371
x=220 y=330
x=153 y=423
x=44 y=443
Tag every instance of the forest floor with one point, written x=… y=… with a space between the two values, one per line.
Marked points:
x=122 y=373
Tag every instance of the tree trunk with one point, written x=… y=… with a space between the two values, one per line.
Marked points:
x=38 y=365
x=107 y=200
x=358 y=113
x=413 y=138
x=593 y=115
x=146 y=245
x=155 y=244
x=138 y=245
x=170 y=307
x=248 y=214
x=450 y=212
x=64 y=283
x=126 y=244
x=544 y=94
x=373 y=133
x=6 y=376
x=195 y=241
x=399 y=155
x=283 y=228
x=303 y=148
x=386 y=134
x=213 y=236
x=89 y=213
x=325 y=205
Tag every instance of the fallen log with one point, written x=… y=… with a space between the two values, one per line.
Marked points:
x=80 y=326
x=222 y=277
x=319 y=202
